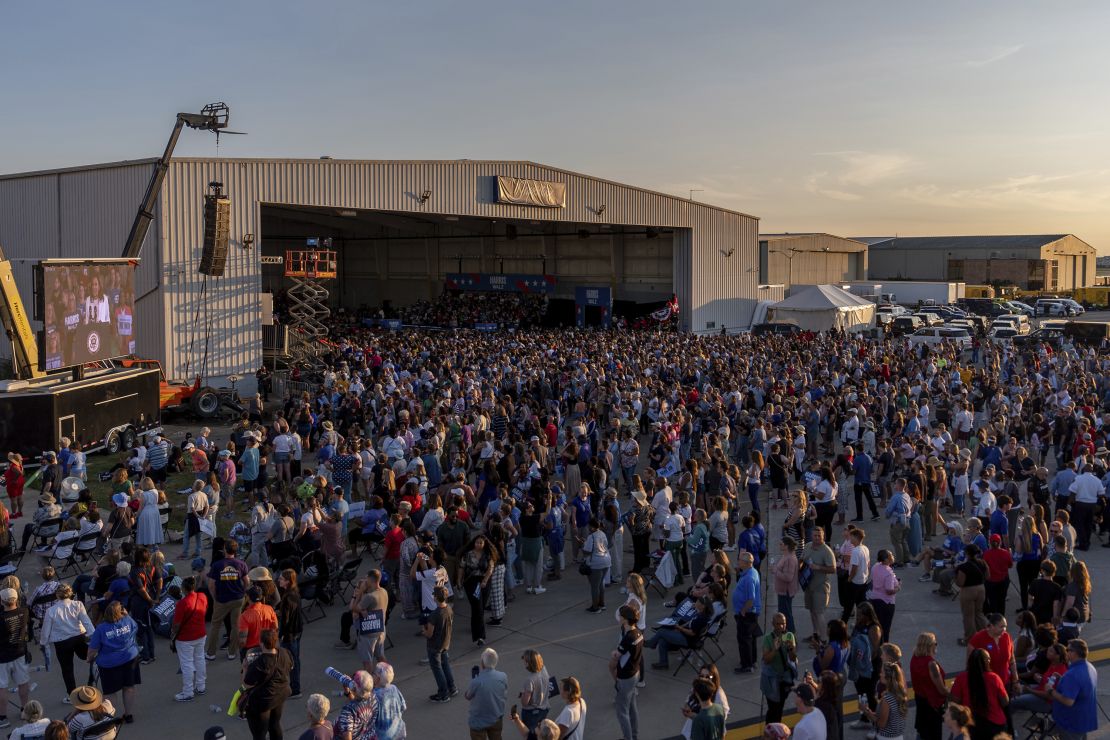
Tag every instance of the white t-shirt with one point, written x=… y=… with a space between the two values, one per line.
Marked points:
x=675 y=525
x=429 y=579
x=861 y=558
x=573 y=717
x=825 y=492
x=811 y=727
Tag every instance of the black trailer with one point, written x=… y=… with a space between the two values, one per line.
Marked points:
x=109 y=410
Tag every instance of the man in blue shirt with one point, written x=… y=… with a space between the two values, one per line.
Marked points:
x=861 y=468
x=1074 y=707
x=746 y=605
x=1000 y=523
x=1061 y=485
x=487 y=694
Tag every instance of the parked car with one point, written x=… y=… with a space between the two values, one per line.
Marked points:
x=981 y=306
x=772 y=327
x=1019 y=307
x=1049 y=335
x=1054 y=307
x=1019 y=322
x=1074 y=306
x=1003 y=335
x=892 y=309
x=934 y=335
x=906 y=324
x=929 y=319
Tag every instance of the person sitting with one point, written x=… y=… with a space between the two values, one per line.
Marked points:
x=36 y=722
x=48 y=509
x=89 y=708
x=936 y=559
x=711 y=575
x=673 y=636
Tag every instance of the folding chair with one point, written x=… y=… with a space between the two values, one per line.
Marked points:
x=1040 y=725
x=106 y=729
x=688 y=655
x=10 y=563
x=42 y=600
x=713 y=635
x=60 y=554
x=663 y=573
x=346 y=576
x=87 y=548
x=314 y=585
x=47 y=530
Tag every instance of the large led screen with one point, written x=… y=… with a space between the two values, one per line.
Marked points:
x=87 y=312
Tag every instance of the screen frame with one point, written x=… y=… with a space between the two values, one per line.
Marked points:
x=39 y=299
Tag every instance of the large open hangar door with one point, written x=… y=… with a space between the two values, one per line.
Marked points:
x=397 y=259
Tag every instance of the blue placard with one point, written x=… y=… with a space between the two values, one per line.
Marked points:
x=391 y=324
x=486 y=327
x=373 y=623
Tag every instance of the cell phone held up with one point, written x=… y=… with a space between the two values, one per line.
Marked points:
x=474 y=672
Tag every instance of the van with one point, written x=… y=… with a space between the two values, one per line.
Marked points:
x=1018 y=322
x=934 y=335
x=1053 y=307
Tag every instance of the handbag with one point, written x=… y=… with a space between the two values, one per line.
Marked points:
x=805 y=576
x=584 y=568
x=552 y=687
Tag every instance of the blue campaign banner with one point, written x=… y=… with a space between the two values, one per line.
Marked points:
x=500 y=283
x=588 y=296
x=391 y=324
x=369 y=323
x=485 y=327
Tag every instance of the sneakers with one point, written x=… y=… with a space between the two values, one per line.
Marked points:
x=232 y=656
x=5 y=722
x=453 y=693
x=859 y=724
x=65 y=700
x=480 y=642
x=296 y=695
x=424 y=661
x=925 y=578
x=146 y=661
x=594 y=610
x=209 y=657
x=183 y=697
x=201 y=691
x=539 y=590
x=439 y=698
x=529 y=590
x=339 y=644
x=641 y=684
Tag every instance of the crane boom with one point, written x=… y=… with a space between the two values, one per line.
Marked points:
x=213 y=117
x=17 y=325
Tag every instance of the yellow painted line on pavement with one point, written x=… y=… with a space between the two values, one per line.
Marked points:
x=754 y=728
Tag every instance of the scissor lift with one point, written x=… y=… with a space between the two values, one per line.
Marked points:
x=308 y=268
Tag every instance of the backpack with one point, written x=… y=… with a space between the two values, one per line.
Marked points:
x=859 y=656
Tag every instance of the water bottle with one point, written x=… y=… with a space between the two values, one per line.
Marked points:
x=341 y=677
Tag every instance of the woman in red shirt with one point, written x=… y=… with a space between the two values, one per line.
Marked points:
x=929 y=690
x=983 y=691
x=13 y=482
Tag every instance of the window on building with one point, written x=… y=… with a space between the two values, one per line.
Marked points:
x=956 y=270
x=1054 y=276
x=763 y=279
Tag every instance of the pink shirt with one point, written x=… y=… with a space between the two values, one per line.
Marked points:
x=883 y=581
x=785 y=571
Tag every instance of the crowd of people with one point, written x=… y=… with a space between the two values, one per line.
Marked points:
x=458 y=310
x=464 y=467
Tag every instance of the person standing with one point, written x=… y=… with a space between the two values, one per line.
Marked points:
x=114 y=650
x=369 y=620
x=487 y=694
x=898 y=511
x=437 y=634
x=780 y=661
x=709 y=722
x=572 y=720
x=859 y=572
x=929 y=688
x=821 y=561
x=1074 y=699
x=291 y=625
x=999 y=561
x=997 y=643
x=747 y=602
x=254 y=620
x=812 y=724
x=187 y=639
x=534 y=704
x=227 y=582
x=15 y=622
x=785 y=574
x=884 y=588
x=862 y=467
x=67 y=627
x=266 y=687
x=624 y=666
x=596 y=551
x=1084 y=496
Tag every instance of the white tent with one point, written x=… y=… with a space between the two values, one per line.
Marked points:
x=824 y=307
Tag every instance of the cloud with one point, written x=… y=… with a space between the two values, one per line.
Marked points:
x=857 y=169
x=1077 y=192
x=998 y=56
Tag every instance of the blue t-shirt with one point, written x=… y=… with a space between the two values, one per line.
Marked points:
x=487 y=706
x=581 y=508
x=1000 y=524
x=250 y=463
x=862 y=468
x=1078 y=683
x=228 y=575
x=115 y=642
x=370 y=519
x=747 y=589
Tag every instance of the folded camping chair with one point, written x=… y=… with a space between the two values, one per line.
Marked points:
x=663 y=573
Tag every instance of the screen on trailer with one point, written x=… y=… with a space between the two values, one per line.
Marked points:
x=87 y=311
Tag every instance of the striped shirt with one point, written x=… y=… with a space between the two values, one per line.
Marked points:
x=158 y=456
x=896 y=718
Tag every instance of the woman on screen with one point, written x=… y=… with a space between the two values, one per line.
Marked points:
x=124 y=317
x=97 y=305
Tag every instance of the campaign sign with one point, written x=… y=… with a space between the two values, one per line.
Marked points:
x=373 y=623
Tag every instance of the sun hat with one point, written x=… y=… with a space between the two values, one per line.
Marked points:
x=259 y=573
x=224 y=453
x=120 y=500
x=46 y=498
x=639 y=496
x=86 y=698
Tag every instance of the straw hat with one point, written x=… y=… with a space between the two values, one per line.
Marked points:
x=46 y=498
x=86 y=698
x=259 y=574
x=327 y=425
x=965 y=454
x=934 y=462
x=639 y=496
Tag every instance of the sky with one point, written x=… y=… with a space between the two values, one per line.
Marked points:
x=857 y=118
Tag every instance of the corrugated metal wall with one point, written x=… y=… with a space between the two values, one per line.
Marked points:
x=82 y=213
x=801 y=260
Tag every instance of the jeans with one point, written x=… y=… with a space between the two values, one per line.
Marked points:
x=1029 y=703
x=64 y=651
x=625 y=704
x=597 y=586
x=616 y=552
x=898 y=545
x=861 y=490
x=885 y=612
x=532 y=717
x=146 y=633
x=440 y=663
x=294 y=648
x=666 y=640
x=194 y=535
x=786 y=606
x=190 y=657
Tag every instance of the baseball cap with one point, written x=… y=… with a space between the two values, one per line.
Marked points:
x=806 y=693
x=214 y=733
x=254 y=593
x=996 y=538
x=198 y=564
x=8 y=595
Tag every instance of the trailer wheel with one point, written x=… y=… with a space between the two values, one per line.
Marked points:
x=205 y=402
x=128 y=440
x=112 y=446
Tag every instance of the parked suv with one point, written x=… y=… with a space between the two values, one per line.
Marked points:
x=935 y=335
